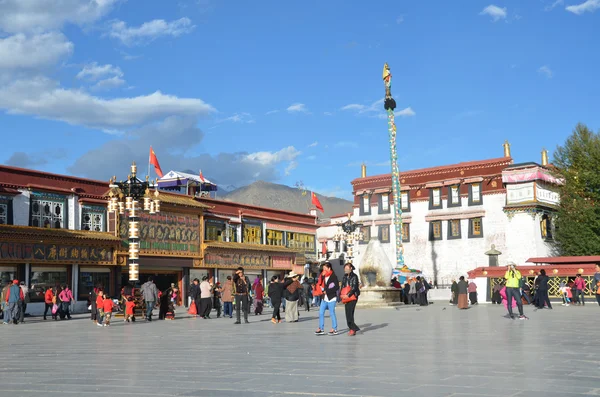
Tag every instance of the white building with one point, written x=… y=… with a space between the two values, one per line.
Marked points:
x=452 y=215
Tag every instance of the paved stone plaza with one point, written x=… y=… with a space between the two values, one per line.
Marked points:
x=434 y=351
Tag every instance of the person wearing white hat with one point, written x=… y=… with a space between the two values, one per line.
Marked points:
x=513 y=290
x=292 y=288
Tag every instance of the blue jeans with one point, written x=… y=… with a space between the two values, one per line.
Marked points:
x=331 y=307
x=149 y=307
x=227 y=309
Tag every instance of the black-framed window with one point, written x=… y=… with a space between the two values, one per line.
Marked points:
x=476 y=228
x=366 y=234
x=337 y=246
x=48 y=210
x=405 y=200
x=546 y=227
x=435 y=198
x=214 y=230
x=93 y=218
x=6 y=210
x=475 y=196
x=406 y=232
x=252 y=232
x=384 y=203
x=454 y=196
x=365 y=204
x=454 y=229
x=384 y=233
x=435 y=230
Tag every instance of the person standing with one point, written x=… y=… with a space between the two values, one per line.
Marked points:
x=350 y=284
x=150 y=296
x=259 y=294
x=14 y=297
x=525 y=290
x=412 y=292
x=543 y=290
x=227 y=297
x=328 y=286
x=307 y=293
x=49 y=302
x=217 y=299
x=454 y=293
x=241 y=289
x=206 y=294
x=580 y=289
x=24 y=302
x=94 y=307
x=275 y=295
x=472 y=292
x=292 y=295
x=462 y=289
x=596 y=285
x=513 y=290
x=66 y=297
x=195 y=295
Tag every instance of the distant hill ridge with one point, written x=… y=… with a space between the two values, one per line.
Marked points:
x=272 y=195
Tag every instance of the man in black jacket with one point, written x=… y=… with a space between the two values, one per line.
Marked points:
x=275 y=294
x=242 y=288
x=195 y=295
x=543 y=290
x=350 y=280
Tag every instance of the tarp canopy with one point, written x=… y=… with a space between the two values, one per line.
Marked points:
x=177 y=178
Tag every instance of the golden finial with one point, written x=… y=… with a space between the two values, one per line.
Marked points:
x=363 y=170
x=544 y=157
x=506 y=146
x=386 y=71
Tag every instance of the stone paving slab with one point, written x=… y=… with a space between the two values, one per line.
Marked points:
x=432 y=351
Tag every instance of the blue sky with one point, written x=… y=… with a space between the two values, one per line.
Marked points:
x=290 y=91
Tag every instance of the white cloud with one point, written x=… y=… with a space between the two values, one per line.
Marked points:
x=44 y=98
x=297 y=108
x=495 y=12
x=546 y=71
x=291 y=166
x=346 y=144
x=43 y=15
x=587 y=6
x=311 y=157
x=408 y=112
x=107 y=84
x=327 y=114
x=555 y=4
x=32 y=52
x=94 y=72
x=271 y=112
x=242 y=117
x=269 y=158
x=314 y=144
x=149 y=31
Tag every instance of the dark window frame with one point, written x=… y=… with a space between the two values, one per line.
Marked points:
x=52 y=197
x=380 y=230
x=220 y=225
x=450 y=235
x=380 y=204
x=94 y=209
x=406 y=236
x=471 y=201
x=366 y=236
x=435 y=207
x=472 y=226
x=450 y=202
x=362 y=205
x=9 y=209
x=407 y=209
x=547 y=219
x=432 y=235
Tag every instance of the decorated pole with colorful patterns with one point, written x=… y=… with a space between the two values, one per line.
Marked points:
x=389 y=106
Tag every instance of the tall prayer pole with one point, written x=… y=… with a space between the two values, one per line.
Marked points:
x=389 y=106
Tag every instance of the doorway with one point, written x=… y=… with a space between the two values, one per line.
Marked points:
x=162 y=280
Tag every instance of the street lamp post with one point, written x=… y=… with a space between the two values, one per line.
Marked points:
x=351 y=233
x=125 y=196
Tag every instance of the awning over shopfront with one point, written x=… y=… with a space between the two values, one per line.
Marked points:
x=22 y=244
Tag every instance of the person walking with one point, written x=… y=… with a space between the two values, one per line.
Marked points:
x=472 y=292
x=543 y=290
x=525 y=290
x=462 y=290
x=24 y=302
x=292 y=295
x=307 y=294
x=259 y=294
x=227 y=297
x=49 y=302
x=206 y=294
x=195 y=295
x=327 y=286
x=14 y=297
x=66 y=297
x=596 y=285
x=150 y=296
x=217 y=299
x=93 y=306
x=349 y=294
x=241 y=289
x=412 y=292
x=275 y=295
x=580 y=285
x=513 y=290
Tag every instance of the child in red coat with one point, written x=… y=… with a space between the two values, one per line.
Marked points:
x=129 y=310
x=100 y=307
x=107 y=305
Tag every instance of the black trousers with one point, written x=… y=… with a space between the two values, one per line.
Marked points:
x=307 y=302
x=598 y=298
x=48 y=307
x=198 y=304
x=205 y=307
x=22 y=311
x=350 y=307
x=543 y=298
x=277 y=307
x=241 y=303
x=514 y=293
x=473 y=297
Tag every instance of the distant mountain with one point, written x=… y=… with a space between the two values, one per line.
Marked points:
x=272 y=195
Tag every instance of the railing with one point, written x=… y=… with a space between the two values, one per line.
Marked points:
x=553 y=285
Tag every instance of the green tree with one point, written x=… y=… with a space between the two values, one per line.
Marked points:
x=578 y=219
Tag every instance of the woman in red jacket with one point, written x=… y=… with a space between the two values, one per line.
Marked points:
x=49 y=301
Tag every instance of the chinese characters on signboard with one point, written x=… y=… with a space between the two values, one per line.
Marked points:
x=227 y=259
x=54 y=253
x=166 y=232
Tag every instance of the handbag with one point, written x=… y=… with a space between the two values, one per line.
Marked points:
x=54 y=308
x=193 y=310
x=344 y=295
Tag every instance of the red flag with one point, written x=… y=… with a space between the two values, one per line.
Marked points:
x=154 y=161
x=316 y=202
x=202 y=177
x=324 y=248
